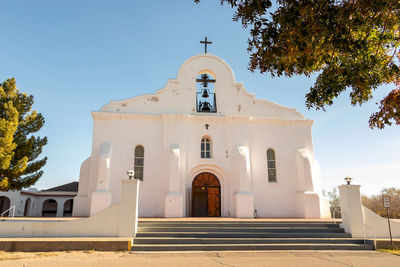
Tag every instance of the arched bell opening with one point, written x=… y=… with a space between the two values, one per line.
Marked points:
x=205 y=95
x=206 y=196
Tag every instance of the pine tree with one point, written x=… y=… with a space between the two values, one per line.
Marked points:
x=19 y=149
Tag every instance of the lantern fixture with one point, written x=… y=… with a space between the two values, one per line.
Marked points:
x=131 y=174
x=347 y=179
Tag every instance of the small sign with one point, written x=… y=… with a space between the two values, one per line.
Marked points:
x=386 y=201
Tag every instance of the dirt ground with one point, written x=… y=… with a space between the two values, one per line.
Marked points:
x=243 y=258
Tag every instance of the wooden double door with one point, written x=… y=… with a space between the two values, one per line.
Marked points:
x=206 y=196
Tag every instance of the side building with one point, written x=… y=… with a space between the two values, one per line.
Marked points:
x=53 y=202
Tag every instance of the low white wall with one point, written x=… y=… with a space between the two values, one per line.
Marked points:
x=376 y=223
x=119 y=220
x=360 y=221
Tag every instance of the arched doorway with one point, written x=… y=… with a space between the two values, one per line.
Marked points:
x=27 y=209
x=49 y=208
x=4 y=205
x=206 y=196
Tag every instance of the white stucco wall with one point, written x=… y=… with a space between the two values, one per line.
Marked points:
x=169 y=119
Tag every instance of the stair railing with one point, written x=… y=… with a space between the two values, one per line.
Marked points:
x=13 y=212
x=373 y=231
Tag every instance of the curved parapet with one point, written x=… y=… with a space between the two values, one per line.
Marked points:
x=178 y=96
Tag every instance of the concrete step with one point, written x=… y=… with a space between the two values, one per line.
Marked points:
x=237 y=224
x=191 y=240
x=254 y=229
x=225 y=247
x=242 y=235
x=191 y=235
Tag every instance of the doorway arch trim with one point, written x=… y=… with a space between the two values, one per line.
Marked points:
x=222 y=177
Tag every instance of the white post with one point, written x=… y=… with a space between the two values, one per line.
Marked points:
x=128 y=214
x=351 y=209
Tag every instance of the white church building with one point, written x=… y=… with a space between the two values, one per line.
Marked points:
x=203 y=146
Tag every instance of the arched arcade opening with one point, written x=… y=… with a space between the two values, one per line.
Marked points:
x=4 y=205
x=27 y=208
x=49 y=208
x=68 y=205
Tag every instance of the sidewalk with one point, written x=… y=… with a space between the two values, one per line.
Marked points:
x=251 y=258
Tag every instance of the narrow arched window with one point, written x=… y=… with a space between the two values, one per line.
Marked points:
x=271 y=164
x=205 y=149
x=139 y=162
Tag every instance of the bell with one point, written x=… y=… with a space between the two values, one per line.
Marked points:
x=205 y=106
x=205 y=93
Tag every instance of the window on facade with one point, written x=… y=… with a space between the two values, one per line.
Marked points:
x=205 y=150
x=139 y=162
x=271 y=166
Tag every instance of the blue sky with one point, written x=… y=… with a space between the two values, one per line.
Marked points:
x=75 y=56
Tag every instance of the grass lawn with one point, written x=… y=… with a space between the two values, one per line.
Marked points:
x=395 y=251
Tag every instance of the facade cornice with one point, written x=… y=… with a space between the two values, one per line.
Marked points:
x=100 y=115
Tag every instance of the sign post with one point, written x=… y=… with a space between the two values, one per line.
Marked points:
x=386 y=204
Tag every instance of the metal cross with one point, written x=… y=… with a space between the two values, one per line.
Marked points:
x=205 y=79
x=205 y=44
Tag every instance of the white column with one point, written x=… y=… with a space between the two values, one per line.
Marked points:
x=102 y=197
x=244 y=202
x=60 y=207
x=351 y=209
x=128 y=210
x=173 y=206
x=308 y=202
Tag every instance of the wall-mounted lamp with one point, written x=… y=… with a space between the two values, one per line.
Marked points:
x=347 y=179
x=131 y=174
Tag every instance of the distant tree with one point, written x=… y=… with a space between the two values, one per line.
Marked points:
x=346 y=43
x=19 y=149
x=375 y=202
x=334 y=202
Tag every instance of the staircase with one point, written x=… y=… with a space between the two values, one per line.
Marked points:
x=181 y=235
